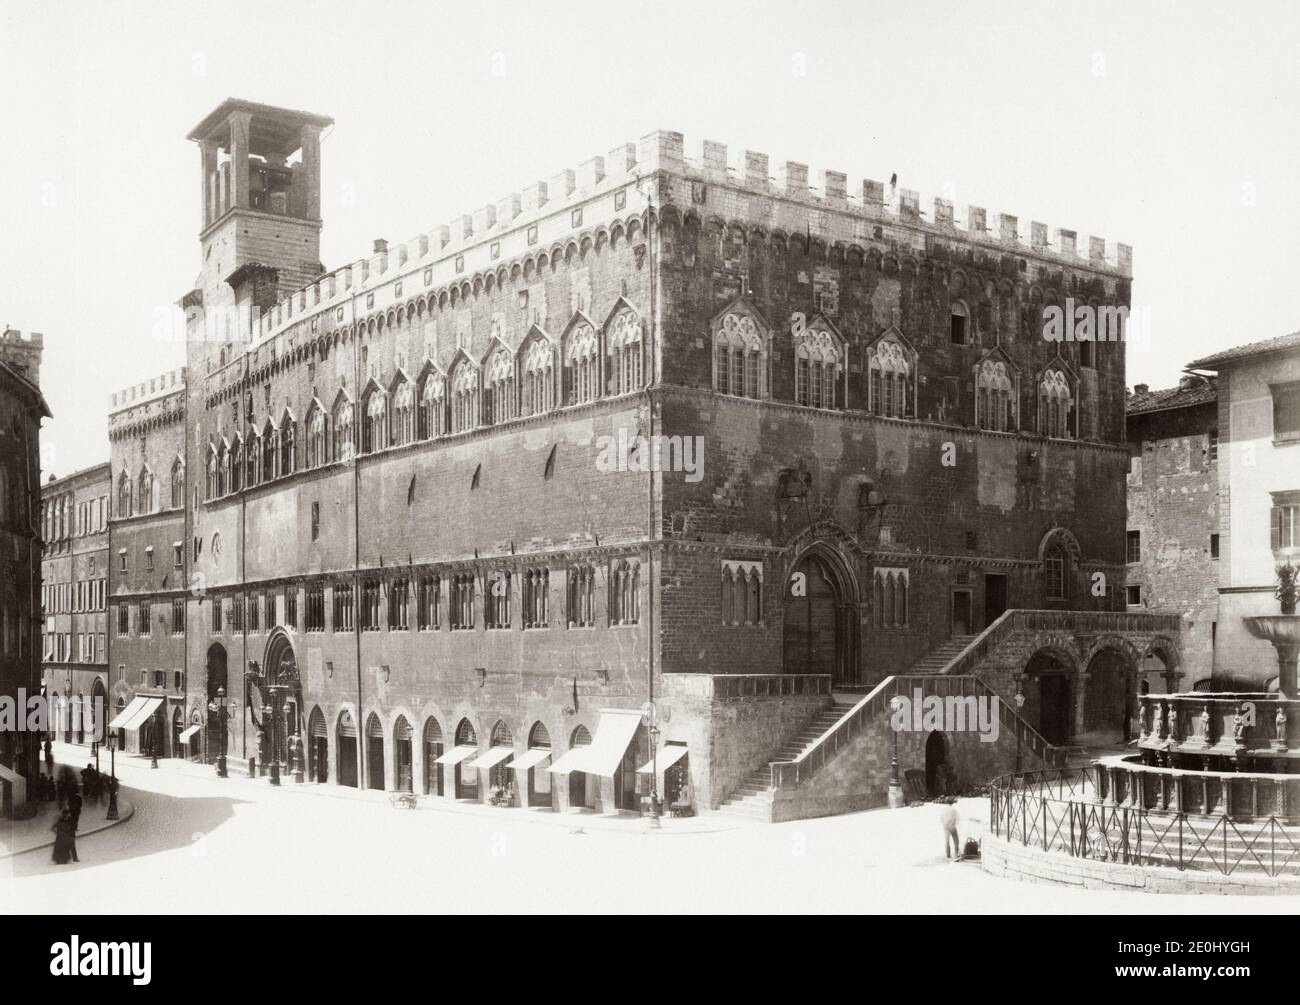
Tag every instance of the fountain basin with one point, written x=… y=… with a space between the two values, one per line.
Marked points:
x=1283 y=632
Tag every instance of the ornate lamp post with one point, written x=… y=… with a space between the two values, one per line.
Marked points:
x=112 y=781
x=1020 y=703
x=654 y=774
x=218 y=706
x=896 y=799
x=269 y=716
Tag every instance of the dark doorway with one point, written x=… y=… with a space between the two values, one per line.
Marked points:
x=936 y=760
x=374 y=753
x=1054 y=708
x=432 y=751
x=819 y=629
x=961 y=612
x=347 y=750
x=317 y=748
x=218 y=724
x=577 y=789
x=995 y=597
x=402 y=741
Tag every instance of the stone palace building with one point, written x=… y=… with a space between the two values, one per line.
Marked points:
x=660 y=473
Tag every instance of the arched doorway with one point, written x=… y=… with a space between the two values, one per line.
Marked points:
x=1049 y=696
x=539 y=781
x=80 y=717
x=216 y=678
x=374 y=753
x=318 y=755
x=433 y=749
x=178 y=727
x=98 y=705
x=56 y=715
x=819 y=622
x=402 y=734
x=579 y=796
x=499 y=776
x=1109 y=699
x=277 y=688
x=936 y=764
x=465 y=779
x=347 y=749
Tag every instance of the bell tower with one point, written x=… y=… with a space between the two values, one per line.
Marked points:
x=260 y=194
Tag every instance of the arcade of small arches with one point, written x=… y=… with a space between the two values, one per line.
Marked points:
x=1081 y=693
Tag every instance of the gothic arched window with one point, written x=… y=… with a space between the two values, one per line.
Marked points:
x=403 y=427
x=316 y=437
x=624 y=341
x=1055 y=404
x=819 y=367
x=464 y=397
x=344 y=447
x=582 y=359
x=373 y=433
x=500 y=386
x=124 y=495
x=995 y=398
x=433 y=411
x=739 y=357
x=537 y=365
x=889 y=379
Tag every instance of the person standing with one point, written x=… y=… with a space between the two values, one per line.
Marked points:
x=65 y=840
x=948 y=820
x=74 y=808
x=49 y=757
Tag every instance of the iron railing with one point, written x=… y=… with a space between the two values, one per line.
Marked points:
x=1065 y=811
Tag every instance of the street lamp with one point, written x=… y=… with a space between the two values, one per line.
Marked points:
x=1020 y=703
x=895 y=783
x=269 y=715
x=112 y=782
x=654 y=775
x=218 y=705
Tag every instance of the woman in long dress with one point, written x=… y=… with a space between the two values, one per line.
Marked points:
x=63 y=838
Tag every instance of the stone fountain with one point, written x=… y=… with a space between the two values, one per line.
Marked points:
x=1282 y=630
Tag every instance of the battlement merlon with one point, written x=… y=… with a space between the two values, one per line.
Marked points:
x=496 y=232
x=666 y=151
x=29 y=340
x=171 y=382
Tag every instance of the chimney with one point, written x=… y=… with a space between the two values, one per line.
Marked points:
x=1141 y=388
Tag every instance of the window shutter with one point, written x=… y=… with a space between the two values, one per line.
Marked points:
x=1275 y=528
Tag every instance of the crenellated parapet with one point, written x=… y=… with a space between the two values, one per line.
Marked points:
x=611 y=196
x=158 y=400
x=23 y=350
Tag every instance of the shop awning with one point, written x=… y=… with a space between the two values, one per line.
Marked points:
x=615 y=732
x=149 y=706
x=127 y=714
x=572 y=760
x=530 y=758
x=188 y=734
x=668 y=756
x=493 y=757
x=457 y=754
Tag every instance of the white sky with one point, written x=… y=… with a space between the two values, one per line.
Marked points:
x=1169 y=126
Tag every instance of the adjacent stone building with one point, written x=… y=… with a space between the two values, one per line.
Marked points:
x=1259 y=496
x=74 y=597
x=148 y=586
x=1173 y=540
x=22 y=408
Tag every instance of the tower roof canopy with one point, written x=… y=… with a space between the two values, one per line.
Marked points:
x=273 y=131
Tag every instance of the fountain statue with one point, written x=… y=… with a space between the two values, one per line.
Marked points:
x=1282 y=630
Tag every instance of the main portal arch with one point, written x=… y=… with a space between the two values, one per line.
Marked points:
x=819 y=612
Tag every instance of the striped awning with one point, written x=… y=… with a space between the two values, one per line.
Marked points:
x=188 y=734
x=146 y=709
x=127 y=714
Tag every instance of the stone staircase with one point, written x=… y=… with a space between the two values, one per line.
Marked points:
x=753 y=797
x=938 y=658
